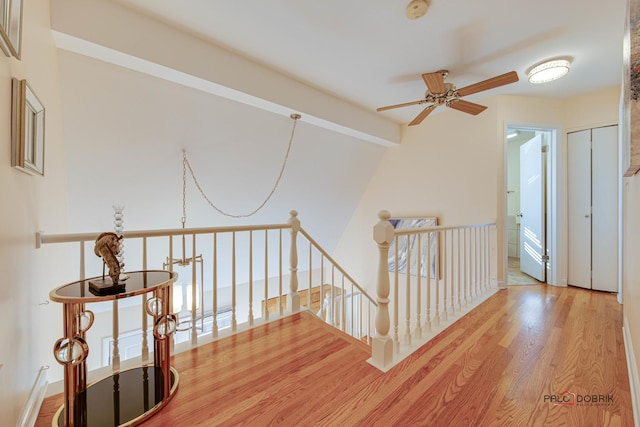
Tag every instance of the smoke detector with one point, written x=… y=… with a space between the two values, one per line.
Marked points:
x=417 y=9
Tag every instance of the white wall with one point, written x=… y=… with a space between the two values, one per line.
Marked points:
x=124 y=136
x=444 y=167
x=29 y=203
x=453 y=166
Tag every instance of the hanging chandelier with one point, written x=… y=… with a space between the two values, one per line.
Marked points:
x=187 y=290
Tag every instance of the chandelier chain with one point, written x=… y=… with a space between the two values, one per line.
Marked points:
x=186 y=165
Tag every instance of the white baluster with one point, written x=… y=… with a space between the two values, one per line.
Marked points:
x=266 y=275
x=419 y=289
x=459 y=275
x=407 y=334
x=477 y=262
x=453 y=275
x=343 y=310
x=428 y=324
x=214 y=326
x=280 y=272
x=116 y=336
x=396 y=339
x=82 y=262
x=445 y=264
x=465 y=259
x=234 y=320
x=145 y=326
x=250 y=277
x=437 y=279
x=294 y=296
x=323 y=313
x=332 y=296
x=310 y=276
x=382 y=347
x=194 y=293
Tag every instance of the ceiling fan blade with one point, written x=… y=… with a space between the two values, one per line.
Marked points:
x=435 y=82
x=406 y=104
x=466 y=106
x=420 y=117
x=501 y=80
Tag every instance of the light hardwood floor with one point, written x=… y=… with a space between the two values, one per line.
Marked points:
x=492 y=368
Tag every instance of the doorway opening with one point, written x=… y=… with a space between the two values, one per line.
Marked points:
x=529 y=204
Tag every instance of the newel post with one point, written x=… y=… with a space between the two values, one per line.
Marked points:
x=293 y=302
x=382 y=346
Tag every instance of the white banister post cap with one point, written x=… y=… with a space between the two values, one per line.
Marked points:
x=383 y=231
x=294 y=221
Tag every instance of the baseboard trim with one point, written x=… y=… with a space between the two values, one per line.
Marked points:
x=34 y=402
x=634 y=380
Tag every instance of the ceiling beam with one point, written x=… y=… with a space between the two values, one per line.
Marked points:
x=108 y=31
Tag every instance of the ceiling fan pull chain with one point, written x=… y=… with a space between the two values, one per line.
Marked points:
x=186 y=165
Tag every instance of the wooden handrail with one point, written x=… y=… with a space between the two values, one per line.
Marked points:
x=340 y=269
x=406 y=231
x=42 y=238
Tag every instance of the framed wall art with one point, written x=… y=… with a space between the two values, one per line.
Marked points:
x=428 y=247
x=11 y=27
x=27 y=129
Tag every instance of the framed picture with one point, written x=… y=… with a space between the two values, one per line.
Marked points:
x=27 y=129
x=11 y=27
x=428 y=247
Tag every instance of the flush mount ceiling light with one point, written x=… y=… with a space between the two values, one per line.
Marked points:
x=548 y=71
x=417 y=9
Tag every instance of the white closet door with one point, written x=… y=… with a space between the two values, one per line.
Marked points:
x=579 y=208
x=604 y=201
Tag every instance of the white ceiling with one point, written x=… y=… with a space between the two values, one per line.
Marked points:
x=367 y=51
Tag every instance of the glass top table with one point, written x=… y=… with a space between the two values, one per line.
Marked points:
x=125 y=398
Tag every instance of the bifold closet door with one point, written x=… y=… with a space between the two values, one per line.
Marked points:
x=604 y=206
x=592 y=183
x=579 y=208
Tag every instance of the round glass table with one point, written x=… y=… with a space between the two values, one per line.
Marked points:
x=125 y=398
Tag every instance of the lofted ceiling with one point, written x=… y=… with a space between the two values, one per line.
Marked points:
x=370 y=54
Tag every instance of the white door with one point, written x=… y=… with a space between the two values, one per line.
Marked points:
x=579 y=208
x=593 y=208
x=532 y=242
x=604 y=228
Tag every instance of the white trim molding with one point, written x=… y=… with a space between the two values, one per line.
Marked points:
x=634 y=381
x=31 y=408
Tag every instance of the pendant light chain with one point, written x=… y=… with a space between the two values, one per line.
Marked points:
x=186 y=165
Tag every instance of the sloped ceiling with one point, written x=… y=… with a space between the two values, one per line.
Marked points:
x=369 y=53
x=332 y=61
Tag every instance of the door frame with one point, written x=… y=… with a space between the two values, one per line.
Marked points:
x=556 y=231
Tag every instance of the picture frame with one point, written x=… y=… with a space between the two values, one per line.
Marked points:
x=27 y=129
x=11 y=27
x=429 y=246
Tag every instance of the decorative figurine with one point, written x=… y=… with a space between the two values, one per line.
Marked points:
x=107 y=247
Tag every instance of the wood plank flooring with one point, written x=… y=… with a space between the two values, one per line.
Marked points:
x=497 y=366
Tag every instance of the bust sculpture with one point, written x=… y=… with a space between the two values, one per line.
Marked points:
x=107 y=247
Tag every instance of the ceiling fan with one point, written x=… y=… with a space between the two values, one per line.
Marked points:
x=441 y=93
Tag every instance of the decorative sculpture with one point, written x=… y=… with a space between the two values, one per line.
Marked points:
x=107 y=247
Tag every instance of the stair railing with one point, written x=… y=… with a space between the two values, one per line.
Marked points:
x=244 y=283
x=433 y=276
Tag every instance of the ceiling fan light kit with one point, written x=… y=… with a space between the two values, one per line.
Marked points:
x=417 y=9
x=441 y=93
x=549 y=71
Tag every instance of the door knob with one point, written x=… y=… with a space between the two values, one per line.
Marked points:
x=587 y=216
